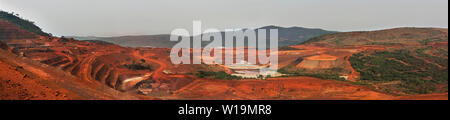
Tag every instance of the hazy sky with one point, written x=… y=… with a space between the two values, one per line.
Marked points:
x=139 y=17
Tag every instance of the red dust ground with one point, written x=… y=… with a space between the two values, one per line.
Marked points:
x=292 y=88
x=59 y=68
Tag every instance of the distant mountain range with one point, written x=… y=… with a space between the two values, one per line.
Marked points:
x=287 y=36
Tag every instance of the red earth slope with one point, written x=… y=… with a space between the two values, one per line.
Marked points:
x=9 y=31
x=21 y=78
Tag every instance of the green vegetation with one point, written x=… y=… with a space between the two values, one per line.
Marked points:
x=99 y=42
x=435 y=59
x=338 y=42
x=317 y=39
x=137 y=66
x=216 y=75
x=287 y=48
x=395 y=36
x=443 y=52
x=324 y=75
x=382 y=43
x=416 y=75
x=431 y=40
x=22 y=23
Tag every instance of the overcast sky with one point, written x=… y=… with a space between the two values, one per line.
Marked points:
x=143 y=17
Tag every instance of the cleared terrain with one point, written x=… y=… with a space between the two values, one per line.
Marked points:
x=41 y=67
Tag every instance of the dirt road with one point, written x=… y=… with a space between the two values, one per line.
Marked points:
x=354 y=75
x=158 y=73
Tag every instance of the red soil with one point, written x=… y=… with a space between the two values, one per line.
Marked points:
x=15 y=85
x=158 y=72
x=354 y=75
x=322 y=57
x=296 y=88
x=438 y=96
x=440 y=44
x=56 y=68
x=22 y=78
x=9 y=31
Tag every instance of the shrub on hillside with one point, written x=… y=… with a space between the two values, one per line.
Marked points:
x=22 y=23
x=137 y=66
x=216 y=75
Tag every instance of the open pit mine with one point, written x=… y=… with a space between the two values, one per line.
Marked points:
x=36 y=66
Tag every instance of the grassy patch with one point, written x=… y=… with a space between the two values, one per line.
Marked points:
x=439 y=60
x=99 y=42
x=431 y=40
x=216 y=75
x=325 y=76
x=416 y=75
x=137 y=66
x=382 y=43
